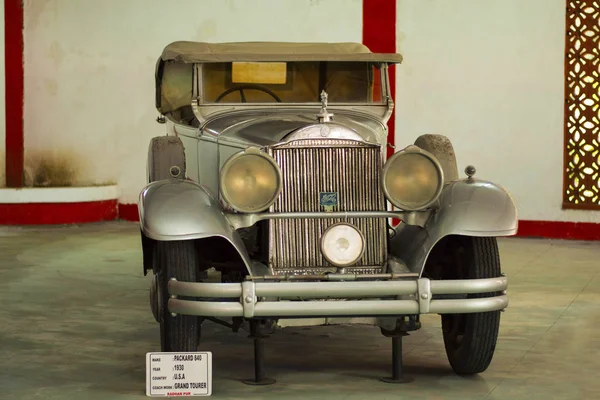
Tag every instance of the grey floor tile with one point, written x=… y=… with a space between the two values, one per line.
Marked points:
x=76 y=325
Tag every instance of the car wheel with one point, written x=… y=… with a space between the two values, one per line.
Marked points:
x=470 y=339
x=442 y=149
x=179 y=260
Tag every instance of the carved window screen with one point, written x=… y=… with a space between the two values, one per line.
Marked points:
x=581 y=187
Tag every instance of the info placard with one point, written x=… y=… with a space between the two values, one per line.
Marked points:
x=179 y=374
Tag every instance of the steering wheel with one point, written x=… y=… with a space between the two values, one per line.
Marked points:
x=241 y=88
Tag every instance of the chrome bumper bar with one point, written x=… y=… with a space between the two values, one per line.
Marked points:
x=418 y=218
x=247 y=299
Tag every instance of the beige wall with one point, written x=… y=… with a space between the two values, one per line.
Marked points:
x=89 y=72
x=489 y=74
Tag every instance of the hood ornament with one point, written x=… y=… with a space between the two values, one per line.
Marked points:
x=324 y=116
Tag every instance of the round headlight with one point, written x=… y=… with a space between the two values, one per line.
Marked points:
x=250 y=181
x=412 y=179
x=342 y=245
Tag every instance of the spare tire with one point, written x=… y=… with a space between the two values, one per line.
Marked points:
x=442 y=149
x=166 y=158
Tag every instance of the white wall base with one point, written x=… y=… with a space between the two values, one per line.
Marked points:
x=59 y=195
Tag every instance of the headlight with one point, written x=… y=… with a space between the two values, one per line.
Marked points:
x=342 y=244
x=412 y=179
x=250 y=181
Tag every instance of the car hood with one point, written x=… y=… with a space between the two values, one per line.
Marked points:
x=253 y=129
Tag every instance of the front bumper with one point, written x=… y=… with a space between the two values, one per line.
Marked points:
x=255 y=299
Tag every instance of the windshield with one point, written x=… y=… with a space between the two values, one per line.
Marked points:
x=290 y=82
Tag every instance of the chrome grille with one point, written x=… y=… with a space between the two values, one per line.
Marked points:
x=310 y=166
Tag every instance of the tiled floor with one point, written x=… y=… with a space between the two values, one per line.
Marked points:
x=75 y=324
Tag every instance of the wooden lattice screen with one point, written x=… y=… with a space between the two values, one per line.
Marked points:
x=582 y=125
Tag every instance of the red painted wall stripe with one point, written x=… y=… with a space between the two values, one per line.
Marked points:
x=128 y=212
x=13 y=73
x=539 y=229
x=559 y=230
x=58 y=213
x=379 y=35
x=73 y=213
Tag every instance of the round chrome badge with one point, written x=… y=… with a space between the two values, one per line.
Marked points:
x=342 y=244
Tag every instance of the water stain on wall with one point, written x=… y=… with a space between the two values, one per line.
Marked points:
x=52 y=169
x=230 y=5
x=35 y=10
x=51 y=86
x=56 y=53
x=206 y=30
x=400 y=36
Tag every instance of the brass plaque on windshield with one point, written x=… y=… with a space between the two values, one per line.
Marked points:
x=259 y=72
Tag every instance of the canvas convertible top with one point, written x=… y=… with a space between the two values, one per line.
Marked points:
x=174 y=70
x=201 y=52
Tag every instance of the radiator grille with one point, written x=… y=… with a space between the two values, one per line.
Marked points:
x=350 y=168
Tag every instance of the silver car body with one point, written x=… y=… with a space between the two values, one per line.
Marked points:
x=194 y=210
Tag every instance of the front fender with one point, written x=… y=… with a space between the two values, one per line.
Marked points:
x=468 y=207
x=176 y=209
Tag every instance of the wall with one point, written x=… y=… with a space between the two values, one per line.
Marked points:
x=89 y=72
x=489 y=74
x=2 y=99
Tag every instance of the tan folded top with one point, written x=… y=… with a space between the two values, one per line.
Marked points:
x=201 y=52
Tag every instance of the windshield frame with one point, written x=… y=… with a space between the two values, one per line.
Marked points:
x=198 y=92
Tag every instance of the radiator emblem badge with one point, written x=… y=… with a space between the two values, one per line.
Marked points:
x=328 y=200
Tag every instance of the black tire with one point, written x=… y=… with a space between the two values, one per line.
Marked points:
x=442 y=149
x=165 y=153
x=179 y=260
x=470 y=339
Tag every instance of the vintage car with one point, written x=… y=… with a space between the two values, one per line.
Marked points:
x=275 y=175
